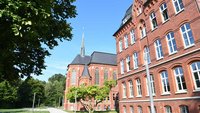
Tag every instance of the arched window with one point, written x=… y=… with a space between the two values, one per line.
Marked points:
x=139 y=87
x=124 y=89
x=139 y=109
x=180 y=80
x=96 y=76
x=114 y=75
x=195 y=68
x=165 y=82
x=171 y=43
x=130 y=88
x=106 y=74
x=131 y=109
x=158 y=48
x=168 y=109
x=187 y=35
x=184 y=109
x=152 y=85
x=128 y=63
x=73 y=77
x=142 y=28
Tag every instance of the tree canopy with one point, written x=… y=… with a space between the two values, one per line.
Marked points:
x=87 y=94
x=28 y=29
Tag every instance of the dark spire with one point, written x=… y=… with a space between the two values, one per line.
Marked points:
x=82 y=47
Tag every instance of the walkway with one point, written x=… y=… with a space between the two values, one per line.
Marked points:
x=55 y=110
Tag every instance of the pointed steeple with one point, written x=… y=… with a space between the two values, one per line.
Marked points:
x=82 y=47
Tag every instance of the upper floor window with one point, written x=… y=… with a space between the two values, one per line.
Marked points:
x=122 y=66
x=128 y=63
x=132 y=35
x=114 y=75
x=139 y=109
x=168 y=109
x=184 y=109
x=147 y=55
x=73 y=77
x=139 y=87
x=131 y=109
x=152 y=85
x=180 y=80
x=120 y=46
x=153 y=21
x=165 y=82
x=171 y=43
x=164 y=12
x=143 y=32
x=158 y=47
x=139 y=10
x=195 y=67
x=135 y=60
x=130 y=88
x=124 y=90
x=178 y=5
x=96 y=76
x=126 y=41
x=187 y=35
x=106 y=74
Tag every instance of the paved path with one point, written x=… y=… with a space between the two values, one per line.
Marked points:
x=55 y=110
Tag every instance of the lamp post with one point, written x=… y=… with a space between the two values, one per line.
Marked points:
x=33 y=102
x=149 y=85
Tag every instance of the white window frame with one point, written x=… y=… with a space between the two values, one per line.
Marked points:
x=185 y=31
x=139 y=109
x=124 y=90
x=124 y=109
x=152 y=85
x=172 y=48
x=122 y=66
x=131 y=93
x=158 y=48
x=143 y=32
x=196 y=70
x=128 y=63
x=168 y=109
x=165 y=82
x=126 y=41
x=120 y=46
x=132 y=35
x=139 y=87
x=135 y=60
x=131 y=109
x=178 y=5
x=164 y=11
x=152 y=19
x=147 y=54
x=180 y=75
x=185 y=108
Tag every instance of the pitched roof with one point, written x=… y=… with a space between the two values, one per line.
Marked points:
x=85 y=71
x=81 y=60
x=103 y=58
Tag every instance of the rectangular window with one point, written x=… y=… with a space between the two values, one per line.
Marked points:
x=131 y=88
x=120 y=46
x=147 y=55
x=158 y=47
x=153 y=21
x=139 y=88
x=135 y=60
x=126 y=41
x=171 y=43
x=164 y=12
x=187 y=35
x=152 y=85
x=124 y=90
x=122 y=66
x=165 y=82
x=180 y=80
x=195 y=67
x=128 y=64
x=132 y=34
x=178 y=5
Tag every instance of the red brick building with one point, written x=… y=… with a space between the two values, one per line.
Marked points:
x=91 y=70
x=166 y=34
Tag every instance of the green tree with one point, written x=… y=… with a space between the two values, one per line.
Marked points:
x=26 y=92
x=54 y=90
x=28 y=29
x=87 y=94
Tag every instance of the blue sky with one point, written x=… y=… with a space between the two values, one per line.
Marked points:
x=100 y=19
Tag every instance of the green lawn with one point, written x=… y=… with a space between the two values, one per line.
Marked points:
x=20 y=111
x=94 y=112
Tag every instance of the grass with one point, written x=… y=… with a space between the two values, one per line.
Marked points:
x=20 y=111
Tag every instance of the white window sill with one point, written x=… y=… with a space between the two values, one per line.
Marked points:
x=131 y=96
x=152 y=95
x=167 y=93
x=173 y=53
x=165 y=21
x=139 y=96
x=123 y=97
x=160 y=58
x=196 y=90
x=179 y=11
x=181 y=92
x=189 y=46
x=153 y=29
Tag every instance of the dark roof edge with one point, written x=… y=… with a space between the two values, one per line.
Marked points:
x=122 y=26
x=103 y=53
x=102 y=63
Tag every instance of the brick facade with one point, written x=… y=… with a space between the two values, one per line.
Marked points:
x=183 y=23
